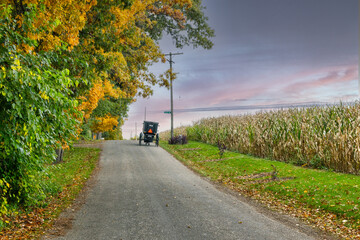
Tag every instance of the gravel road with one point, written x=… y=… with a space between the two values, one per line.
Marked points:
x=142 y=192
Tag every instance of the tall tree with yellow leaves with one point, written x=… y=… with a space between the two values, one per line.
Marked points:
x=121 y=37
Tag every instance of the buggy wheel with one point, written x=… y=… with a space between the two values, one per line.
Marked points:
x=157 y=140
x=140 y=139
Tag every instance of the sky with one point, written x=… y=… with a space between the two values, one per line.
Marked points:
x=266 y=54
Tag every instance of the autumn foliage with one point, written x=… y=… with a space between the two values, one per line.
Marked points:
x=90 y=101
x=105 y=124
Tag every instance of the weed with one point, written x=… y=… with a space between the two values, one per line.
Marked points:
x=180 y=139
x=221 y=148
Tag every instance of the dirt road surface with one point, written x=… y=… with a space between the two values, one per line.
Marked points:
x=142 y=192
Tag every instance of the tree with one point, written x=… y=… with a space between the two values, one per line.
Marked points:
x=122 y=38
x=192 y=29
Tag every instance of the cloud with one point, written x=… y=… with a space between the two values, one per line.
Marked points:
x=336 y=75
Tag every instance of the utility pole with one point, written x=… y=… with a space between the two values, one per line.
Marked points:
x=135 y=130
x=171 y=91
x=145 y=115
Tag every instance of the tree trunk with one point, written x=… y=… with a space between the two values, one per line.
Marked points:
x=59 y=153
x=98 y=136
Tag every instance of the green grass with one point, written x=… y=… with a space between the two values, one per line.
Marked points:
x=62 y=183
x=297 y=187
x=92 y=141
x=73 y=172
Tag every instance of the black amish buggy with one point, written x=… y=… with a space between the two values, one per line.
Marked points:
x=149 y=132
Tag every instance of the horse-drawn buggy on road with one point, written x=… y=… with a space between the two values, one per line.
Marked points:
x=149 y=132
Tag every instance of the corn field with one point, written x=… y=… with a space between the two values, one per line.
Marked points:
x=317 y=137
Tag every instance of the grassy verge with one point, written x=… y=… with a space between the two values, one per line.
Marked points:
x=63 y=182
x=329 y=200
x=92 y=142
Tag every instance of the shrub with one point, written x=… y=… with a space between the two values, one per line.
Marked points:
x=37 y=114
x=180 y=139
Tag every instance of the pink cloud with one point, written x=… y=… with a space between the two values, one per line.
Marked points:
x=334 y=75
x=210 y=94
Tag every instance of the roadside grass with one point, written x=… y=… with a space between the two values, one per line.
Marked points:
x=329 y=200
x=89 y=141
x=64 y=182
